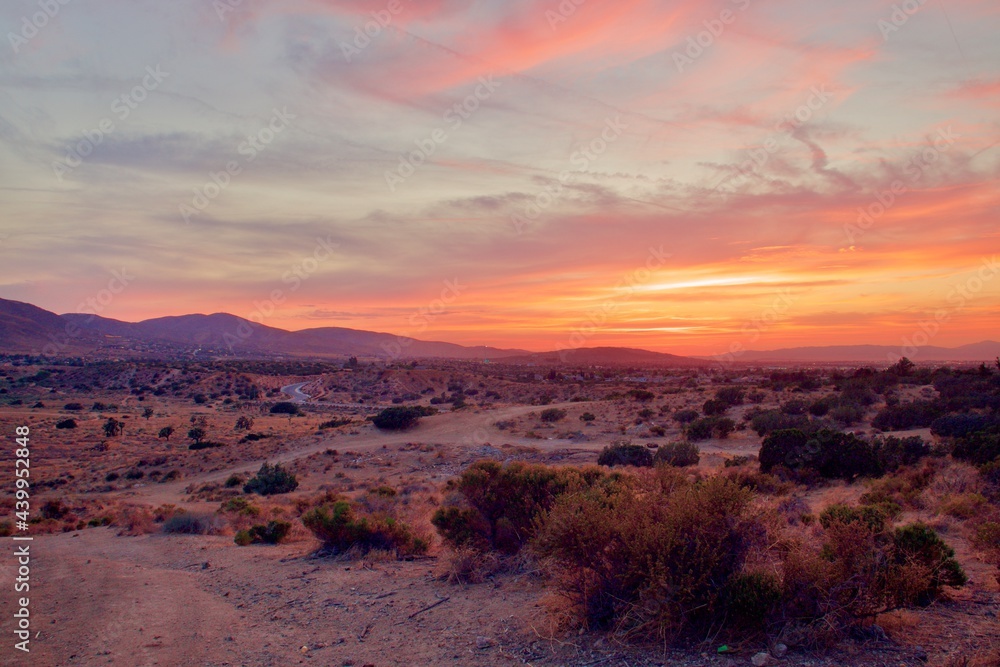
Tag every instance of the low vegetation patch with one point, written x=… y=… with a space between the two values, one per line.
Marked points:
x=271 y=480
x=274 y=532
x=678 y=454
x=342 y=528
x=625 y=454
x=400 y=418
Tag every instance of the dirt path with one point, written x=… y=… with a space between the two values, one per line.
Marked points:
x=461 y=428
x=185 y=601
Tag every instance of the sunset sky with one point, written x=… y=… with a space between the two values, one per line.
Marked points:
x=678 y=176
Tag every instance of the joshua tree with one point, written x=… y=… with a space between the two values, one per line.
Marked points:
x=113 y=427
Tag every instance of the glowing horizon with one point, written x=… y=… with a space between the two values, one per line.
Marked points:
x=679 y=177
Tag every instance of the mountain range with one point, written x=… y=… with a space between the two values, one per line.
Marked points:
x=28 y=329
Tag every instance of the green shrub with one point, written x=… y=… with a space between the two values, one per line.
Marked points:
x=66 y=423
x=847 y=414
x=962 y=425
x=978 y=448
x=587 y=417
x=271 y=480
x=285 y=408
x=625 y=454
x=678 y=454
x=272 y=533
x=700 y=429
x=205 y=444
x=723 y=427
x=685 y=416
x=397 y=418
x=240 y=505
x=552 y=415
x=766 y=422
x=873 y=516
x=833 y=454
x=917 y=414
x=738 y=461
x=751 y=598
x=334 y=423
x=894 y=452
x=337 y=525
x=233 y=481
x=641 y=394
x=929 y=562
x=496 y=507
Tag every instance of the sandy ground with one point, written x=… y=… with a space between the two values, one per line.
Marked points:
x=99 y=598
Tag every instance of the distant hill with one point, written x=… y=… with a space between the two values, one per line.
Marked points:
x=216 y=331
x=27 y=329
x=608 y=356
x=983 y=351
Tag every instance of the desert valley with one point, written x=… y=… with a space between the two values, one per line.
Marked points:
x=190 y=508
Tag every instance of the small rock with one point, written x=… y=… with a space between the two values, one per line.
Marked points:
x=779 y=650
x=760 y=659
x=483 y=643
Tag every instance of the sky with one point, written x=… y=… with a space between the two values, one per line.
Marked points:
x=690 y=177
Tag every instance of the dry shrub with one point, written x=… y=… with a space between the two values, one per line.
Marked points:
x=983 y=657
x=342 y=528
x=956 y=478
x=963 y=506
x=863 y=568
x=134 y=520
x=899 y=624
x=659 y=558
x=761 y=482
x=492 y=506
x=190 y=523
x=465 y=565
